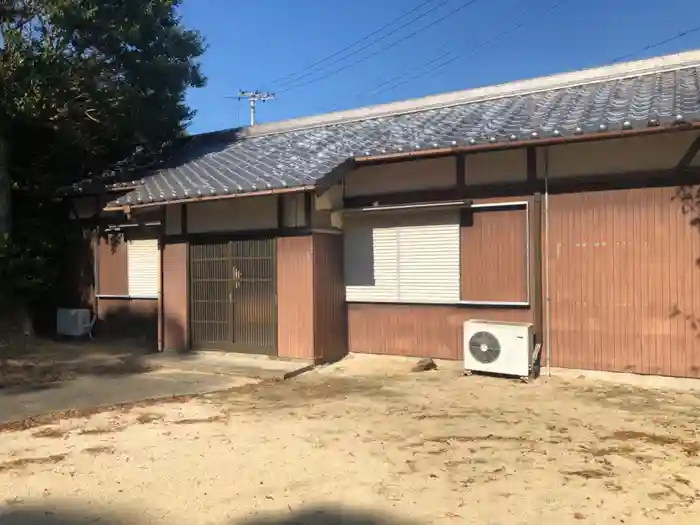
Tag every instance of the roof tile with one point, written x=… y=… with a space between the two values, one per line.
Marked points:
x=301 y=157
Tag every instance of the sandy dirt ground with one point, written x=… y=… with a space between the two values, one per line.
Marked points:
x=367 y=442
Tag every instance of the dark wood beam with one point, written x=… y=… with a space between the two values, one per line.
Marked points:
x=405 y=197
x=531 y=163
x=308 y=208
x=648 y=179
x=688 y=156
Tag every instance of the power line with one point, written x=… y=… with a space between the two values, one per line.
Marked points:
x=393 y=84
x=648 y=47
x=381 y=50
x=300 y=73
x=442 y=60
x=362 y=48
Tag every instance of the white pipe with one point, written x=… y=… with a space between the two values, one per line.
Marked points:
x=117 y=227
x=496 y=303
x=507 y=204
x=420 y=205
x=548 y=331
x=126 y=296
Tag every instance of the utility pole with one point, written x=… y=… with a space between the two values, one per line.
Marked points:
x=253 y=97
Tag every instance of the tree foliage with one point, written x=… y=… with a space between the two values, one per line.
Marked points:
x=83 y=84
x=106 y=76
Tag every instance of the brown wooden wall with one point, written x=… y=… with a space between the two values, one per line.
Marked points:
x=494 y=255
x=175 y=321
x=436 y=330
x=419 y=331
x=121 y=317
x=624 y=281
x=125 y=318
x=330 y=314
x=112 y=275
x=311 y=319
x=295 y=300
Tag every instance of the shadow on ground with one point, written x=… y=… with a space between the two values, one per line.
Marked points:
x=18 y=514
x=15 y=513
x=41 y=364
x=326 y=516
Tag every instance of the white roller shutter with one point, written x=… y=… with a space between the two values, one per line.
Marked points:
x=371 y=262
x=429 y=259
x=143 y=265
x=407 y=257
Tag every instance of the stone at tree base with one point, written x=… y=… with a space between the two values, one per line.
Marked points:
x=424 y=364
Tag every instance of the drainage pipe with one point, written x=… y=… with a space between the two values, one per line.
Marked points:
x=547 y=298
x=95 y=245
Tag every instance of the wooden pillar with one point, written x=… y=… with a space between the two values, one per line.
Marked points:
x=330 y=309
x=174 y=311
x=295 y=301
x=311 y=312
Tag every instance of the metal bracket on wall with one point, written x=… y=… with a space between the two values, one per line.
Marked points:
x=535 y=355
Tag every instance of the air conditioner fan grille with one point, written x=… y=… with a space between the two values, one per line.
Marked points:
x=484 y=347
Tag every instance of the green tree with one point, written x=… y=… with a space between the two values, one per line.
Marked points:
x=83 y=85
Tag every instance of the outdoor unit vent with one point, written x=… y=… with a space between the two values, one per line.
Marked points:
x=498 y=348
x=73 y=322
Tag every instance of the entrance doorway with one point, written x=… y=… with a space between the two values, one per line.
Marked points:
x=233 y=303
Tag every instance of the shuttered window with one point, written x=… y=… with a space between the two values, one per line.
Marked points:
x=371 y=261
x=404 y=258
x=429 y=261
x=143 y=266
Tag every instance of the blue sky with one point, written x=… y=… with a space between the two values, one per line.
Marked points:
x=255 y=45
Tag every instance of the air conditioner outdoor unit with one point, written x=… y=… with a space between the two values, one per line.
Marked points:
x=74 y=322
x=498 y=348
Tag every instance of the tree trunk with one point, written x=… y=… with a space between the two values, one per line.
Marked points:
x=5 y=195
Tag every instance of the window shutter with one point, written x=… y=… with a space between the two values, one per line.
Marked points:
x=407 y=257
x=429 y=259
x=143 y=263
x=371 y=252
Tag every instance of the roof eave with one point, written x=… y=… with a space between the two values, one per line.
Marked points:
x=516 y=88
x=534 y=142
x=338 y=174
x=273 y=191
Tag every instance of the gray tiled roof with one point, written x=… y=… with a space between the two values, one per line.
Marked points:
x=299 y=157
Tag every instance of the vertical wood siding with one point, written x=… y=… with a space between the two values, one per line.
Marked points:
x=295 y=297
x=311 y=320
x=125 y=318
x=330 y=314
x=418 y=331
x=494 y=255
x=112 y=275
x=624 y=281
x=175 y=297
x=436 y=330
x=121 y=317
